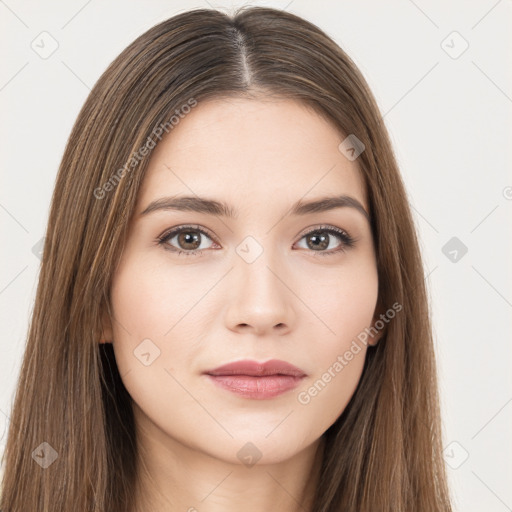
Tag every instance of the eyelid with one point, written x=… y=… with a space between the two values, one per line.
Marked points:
x=321 y=227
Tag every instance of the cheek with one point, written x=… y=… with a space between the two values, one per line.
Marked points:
x=152 y=310
x=343 y=300
x=350 y=307
x=150 y=299
x=346 y=307
x=161 y=314
x=144 y=311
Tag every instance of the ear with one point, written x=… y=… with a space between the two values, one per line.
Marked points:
x=375 y=339
x=106 y=326
x=378 y=328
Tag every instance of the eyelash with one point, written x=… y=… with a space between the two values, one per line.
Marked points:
x=346 y=239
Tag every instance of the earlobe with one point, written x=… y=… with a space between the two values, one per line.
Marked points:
x=378 y=329
x=375 y=339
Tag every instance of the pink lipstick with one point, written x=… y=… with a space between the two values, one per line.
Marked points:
x=259 y=381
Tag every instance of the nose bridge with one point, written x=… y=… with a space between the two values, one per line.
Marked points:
x=257 y=266
x=260 y=298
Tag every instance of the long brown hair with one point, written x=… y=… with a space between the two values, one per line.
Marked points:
x=71 y=412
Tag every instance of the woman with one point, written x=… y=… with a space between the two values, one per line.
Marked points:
x=231 y=310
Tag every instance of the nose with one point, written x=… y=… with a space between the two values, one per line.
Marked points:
x=260 y=298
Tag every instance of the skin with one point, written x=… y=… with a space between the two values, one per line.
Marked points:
x=212 y=308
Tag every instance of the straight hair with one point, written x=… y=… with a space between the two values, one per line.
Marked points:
x=384 y=452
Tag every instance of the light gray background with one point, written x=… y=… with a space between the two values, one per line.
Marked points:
x=449 y=119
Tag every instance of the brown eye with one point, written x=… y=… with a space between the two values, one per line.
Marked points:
x=189 y=240
x=319 y=240
x=186 y=240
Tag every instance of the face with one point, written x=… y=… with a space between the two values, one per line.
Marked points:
x=263 y=284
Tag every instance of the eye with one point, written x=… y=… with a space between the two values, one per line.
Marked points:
x=320 y=239
x=186 y=240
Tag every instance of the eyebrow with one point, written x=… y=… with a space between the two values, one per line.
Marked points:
x=221 y=209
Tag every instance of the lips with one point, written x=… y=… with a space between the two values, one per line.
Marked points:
x=255 y=369
x=251 y=379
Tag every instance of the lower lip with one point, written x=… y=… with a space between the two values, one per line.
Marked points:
x=259 y=388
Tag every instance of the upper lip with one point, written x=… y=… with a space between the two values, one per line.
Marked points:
x=254 y=368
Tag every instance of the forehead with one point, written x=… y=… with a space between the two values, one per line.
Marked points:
x=249 y=152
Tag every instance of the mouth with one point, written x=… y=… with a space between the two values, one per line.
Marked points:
x=254 y=380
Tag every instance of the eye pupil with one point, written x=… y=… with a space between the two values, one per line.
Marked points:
x=322 y=239
x=189 y=237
